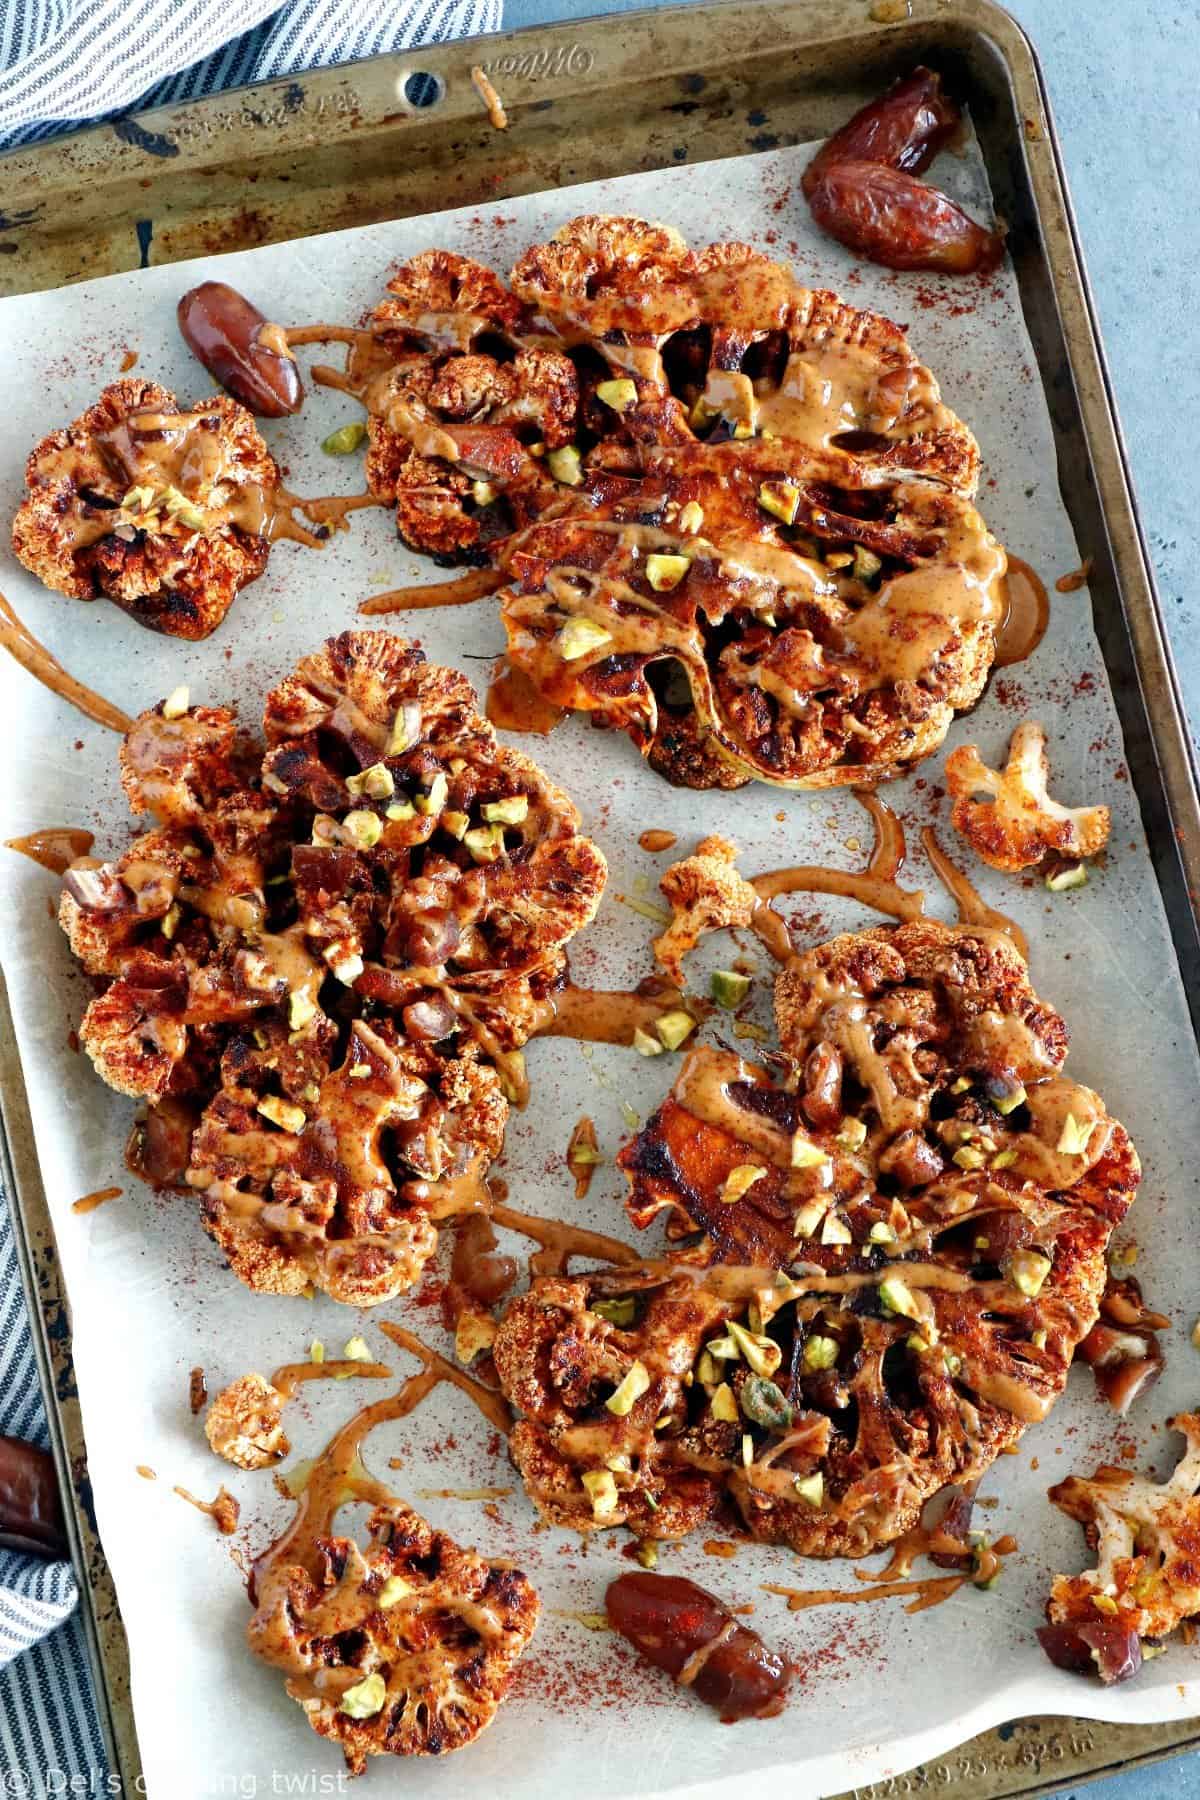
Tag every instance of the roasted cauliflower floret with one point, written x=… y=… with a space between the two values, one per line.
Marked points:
x=333 y=954
x=705 y=893
x=444 y=300
x=163 y=511
x=942 y=1196
x=405 y=1648
x=244 y=1424
x=1146 y=1538
x=1020 y=823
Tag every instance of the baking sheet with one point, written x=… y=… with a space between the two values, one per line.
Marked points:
x=149 y=1297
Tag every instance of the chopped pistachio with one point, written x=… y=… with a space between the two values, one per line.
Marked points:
x=601 y=1491
x=1004 y=1160
x=740 y=1180
x=917 y=1344
x=513 y=811
x=432 y=803
x=747 y=1449
x=839 y=559
x=620 y=394
x=646 y=1045
x=288 y=1118
x=348 y=969
x=376 y=781
x=646 y=1554
x=302 y=1009
x=363 y=828
x=355 y=1350
x=881 y=1233
x=565 y=466
x=634 y=1385
x=723 y=1348
x=702 y=414
x=316 y=1351
x=896 y=1297
x=811 y=1488
x=806 y=1154
x=820 y=1352
x=961 y=1085
x=1075 y=1136
x=836 y=1230
x=1038 y=1340
x=394 y=1588
x=482 y=493
x=406 y=728
x=400 y=810
x=761 y=1353
x=666 y=572
x=968 y=1157
x=171 y=918
x=673 y=1027
x=780 y=498
x=1104 y=1603
x=366 y=1697
x=585 y=1154
x=346 y=439
x=358 y=1070
x=1028 y=1270
x=455 y=823
x=138 y=499
x=1010 y=1102
x=853 y=1134
x=312 y=1092
x=579 y=637
x=1074 y=875
x=952 y=1361
x=724 y=1406
x=808 y=1217
x=485 y=842
x=618 y=1312
x=765 y=1404
x=707 y=1372
x=178 y=506
x=866 y=564
x=691 y=517
x=176 y=703
x=728 y=988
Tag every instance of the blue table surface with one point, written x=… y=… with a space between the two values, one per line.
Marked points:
x=1124 y=83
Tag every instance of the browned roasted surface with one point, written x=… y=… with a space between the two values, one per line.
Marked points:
x=829 y=596
x=404 y=1648
x=332 y=953
x=244 y=1424
x=915 y=1225
x=165 y=512
x=1145 y=1535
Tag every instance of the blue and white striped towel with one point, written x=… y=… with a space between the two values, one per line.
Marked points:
x=64 y=63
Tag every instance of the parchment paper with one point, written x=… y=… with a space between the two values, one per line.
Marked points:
x=878 y=1689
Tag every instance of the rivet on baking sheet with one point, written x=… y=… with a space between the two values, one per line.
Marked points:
x=419 y=88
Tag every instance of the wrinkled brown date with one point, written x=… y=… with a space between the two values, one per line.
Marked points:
x=240 y=349
x=30 y=1513
x=905 y=129
x=1098 y=1646
x=668 y=1620
x=889 y=218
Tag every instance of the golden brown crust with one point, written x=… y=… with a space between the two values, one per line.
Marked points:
x=244 y=1424
x=938 y=1198
x=334 y=953
x=1019 y=823
x=160 y=510
x=405 y=1647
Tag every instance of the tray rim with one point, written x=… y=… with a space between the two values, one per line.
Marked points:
x=1178 y=770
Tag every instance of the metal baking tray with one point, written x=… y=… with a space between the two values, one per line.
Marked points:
x=401 y=134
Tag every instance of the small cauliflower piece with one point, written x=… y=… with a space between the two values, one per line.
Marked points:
x=245 y=1424
x=1020 y=822
x=705 y=893
x=1147 y=1576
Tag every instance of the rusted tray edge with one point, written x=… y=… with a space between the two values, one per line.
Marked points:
x=1143 y=617
x=33 y=1235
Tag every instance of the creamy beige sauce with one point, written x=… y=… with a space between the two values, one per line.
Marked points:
x=459 y=592
x=972 y=908
x=55 y=847
x=604 y=1016
x=34 y=657
x=223 y=1511
x=560 y=1242
x=90 y=1202
x=289 y=1377
x=514 y=703
x=1026 y=614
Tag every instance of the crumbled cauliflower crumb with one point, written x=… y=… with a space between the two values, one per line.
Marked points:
x=244 y=1424
x=706 y=893
x=1014 y=829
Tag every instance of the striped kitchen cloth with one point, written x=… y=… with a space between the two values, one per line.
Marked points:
x=66 y=62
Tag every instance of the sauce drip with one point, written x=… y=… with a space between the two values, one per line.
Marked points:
x=223 y=1511
x=875 y=886
x=459 y=592
x=514 y=704
x=981 y=1564
x=560 y=1242
x=37 y=660
x=1026 y=616
x=972 y=908
x=90 y=1202
x=607 y=1016
x=287 y=1379
x=55 y=847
